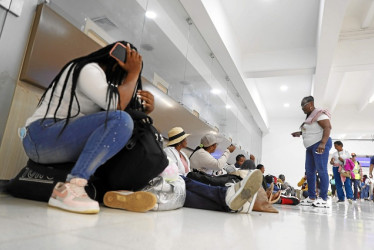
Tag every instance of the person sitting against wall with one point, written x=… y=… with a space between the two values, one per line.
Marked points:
x=249 y=164
x=272 y=190
x=303 y=184
x=240 y=158
x=202 y=160
x=204 y=196
x=286 y=188
x=69 y=124
x=262 y=169
x=177 y=141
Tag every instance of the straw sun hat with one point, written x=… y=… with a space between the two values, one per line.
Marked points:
x=176 y=135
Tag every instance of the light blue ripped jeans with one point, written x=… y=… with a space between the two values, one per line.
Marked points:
x=86 y=140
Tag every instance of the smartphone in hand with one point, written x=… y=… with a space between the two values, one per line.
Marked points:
x=118 y=51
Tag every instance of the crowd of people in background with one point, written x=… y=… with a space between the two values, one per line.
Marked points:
x=345 y=184
x=348 y=174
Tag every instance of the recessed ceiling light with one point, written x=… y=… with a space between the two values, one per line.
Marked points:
x=286 y=105
x=150 y=14
x=228 y=106
x=215 y=91
x=146 y=46
x=284 y=87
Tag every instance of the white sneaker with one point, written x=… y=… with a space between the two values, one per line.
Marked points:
x=239 y=193
x=320 y=203
x=72 y=197
x=248 y=206
x=306 y=202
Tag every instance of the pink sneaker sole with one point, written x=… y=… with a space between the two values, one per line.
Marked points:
x=81 y=210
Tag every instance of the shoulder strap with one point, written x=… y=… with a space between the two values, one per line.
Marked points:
x=137 y=115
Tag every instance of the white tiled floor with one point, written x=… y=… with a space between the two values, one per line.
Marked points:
x=28 y=224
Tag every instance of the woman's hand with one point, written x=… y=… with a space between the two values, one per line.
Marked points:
x=133 y=64
x=231 y=148
x=296 y=134
x=147 y=100
x=321 y=148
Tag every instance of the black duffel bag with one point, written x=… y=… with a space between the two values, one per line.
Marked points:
x=36 y=181
x=219 y=180
x=141 y=160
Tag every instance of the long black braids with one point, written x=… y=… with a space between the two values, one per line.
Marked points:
x=114 y=79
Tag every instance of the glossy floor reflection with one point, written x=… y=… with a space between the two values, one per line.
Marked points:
x=28 y=224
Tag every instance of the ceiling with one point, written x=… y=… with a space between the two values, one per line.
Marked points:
x=319 y=48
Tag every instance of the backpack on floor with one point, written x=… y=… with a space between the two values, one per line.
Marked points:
x=219 y=180
x=141 y=160
x=36 y=181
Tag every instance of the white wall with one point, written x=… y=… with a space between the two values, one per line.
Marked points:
x=282 y=153
x=13 y=40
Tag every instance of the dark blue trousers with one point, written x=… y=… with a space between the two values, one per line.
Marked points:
x=203 y=196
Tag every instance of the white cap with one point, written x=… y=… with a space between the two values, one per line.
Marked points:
x=208 y=140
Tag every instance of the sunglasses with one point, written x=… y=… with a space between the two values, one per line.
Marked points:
x=302 y=106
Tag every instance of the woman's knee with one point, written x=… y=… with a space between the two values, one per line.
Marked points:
x=121 y=119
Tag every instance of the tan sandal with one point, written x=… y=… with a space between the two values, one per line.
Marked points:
x=262 y=203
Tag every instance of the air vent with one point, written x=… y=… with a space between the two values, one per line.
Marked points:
x=161 y=87
x=195 y=113
x=104 y=23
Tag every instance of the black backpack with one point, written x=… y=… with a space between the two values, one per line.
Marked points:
x=142 y=159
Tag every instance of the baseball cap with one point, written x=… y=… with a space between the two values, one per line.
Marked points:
x=208 y=140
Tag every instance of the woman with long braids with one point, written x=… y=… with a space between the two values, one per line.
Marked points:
x=80 y=119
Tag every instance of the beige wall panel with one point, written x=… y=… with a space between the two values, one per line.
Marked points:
x=12 y=155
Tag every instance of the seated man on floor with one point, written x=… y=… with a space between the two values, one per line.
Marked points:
x=240 y=158
x=202 y=160
x=286 y=188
